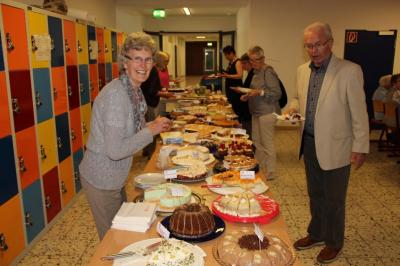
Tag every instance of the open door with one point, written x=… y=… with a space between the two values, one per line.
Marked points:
x=374 y=52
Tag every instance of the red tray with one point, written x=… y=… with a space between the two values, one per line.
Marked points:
x=269 y=205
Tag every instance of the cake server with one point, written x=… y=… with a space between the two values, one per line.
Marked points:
x=121 y=255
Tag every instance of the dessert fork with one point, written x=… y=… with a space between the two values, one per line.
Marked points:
x=121 y=255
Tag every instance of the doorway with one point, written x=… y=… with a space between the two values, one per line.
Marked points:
x=374 y=52
x=200 y=58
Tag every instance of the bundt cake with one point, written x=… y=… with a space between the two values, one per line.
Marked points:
x=192 y=220
x=244 y=248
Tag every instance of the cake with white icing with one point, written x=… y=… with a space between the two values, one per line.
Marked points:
x=242 y=204
x=168 y=195
x=172 y=252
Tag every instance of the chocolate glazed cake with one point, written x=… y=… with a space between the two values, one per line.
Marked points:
x=192 y=220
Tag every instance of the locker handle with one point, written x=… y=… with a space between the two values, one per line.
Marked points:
x=79 y=47
x=52 y=44
x=63 y=187
x=67 y=49
x=48 y=202
x=43 y=155
x=69 y=90
x=33 y=41
x=91 y=85
x=21 y=163
x=55 y=93
x=90 y=49
x=84 y=129
x=76 y=175
x=10 y=45
x=100 y=83
x=106 y=48
x=3 y=244
x=73 y=136
x=59 y=142
x=15 y=106
x=28 y=219
x=38 y=100
x=112 y=49
x=81 y=87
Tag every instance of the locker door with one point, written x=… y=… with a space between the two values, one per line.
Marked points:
x=107 y=46
x=47 y=145
x=94 y=81
x=115 y=70
x=37 y=26
x=120 y=40
x=43 y=97
x=70 y=42
x=33 y=210
x=76 y=129
x=59 y=90
x=85 y=111
x=28 y=164
x=84 y=84
x=57 y=43
x=91 y=37
x=8 y=176
x=81 y=31
x=100 y=41
x=73 y=87
x=1 y=55
x=102 y=75
x=15 y=35
x=51 y=188
x=5 y=128
x=12 y=230
x=108 y=73
x=114 y=46
x=67 y=181
x=78 y=155
x=63 y=140
x=21 y=99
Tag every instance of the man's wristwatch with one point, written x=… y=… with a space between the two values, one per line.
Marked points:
x=262 y=93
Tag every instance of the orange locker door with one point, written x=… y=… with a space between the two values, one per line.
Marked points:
x=70 y=42
x=59 y=90
x=115 y=70
x=76 y=129
x=66 y=181
x=15 y=37
x=11 y=230
x=27 y=156
x=5 y=128
x=94 y=81
x=100 y=41
x=47 y=145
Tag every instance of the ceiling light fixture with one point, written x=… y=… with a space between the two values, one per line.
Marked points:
x=187 y=11
x=200 y=37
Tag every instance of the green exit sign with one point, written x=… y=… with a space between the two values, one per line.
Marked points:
x=158 y=13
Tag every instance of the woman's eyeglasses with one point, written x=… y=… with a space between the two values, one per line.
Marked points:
x=140 y=60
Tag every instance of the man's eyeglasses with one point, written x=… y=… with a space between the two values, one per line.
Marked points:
x=318 y=45
x=140 y=60
x=253 y=60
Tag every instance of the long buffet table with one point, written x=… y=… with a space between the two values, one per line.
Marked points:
x=115 y=240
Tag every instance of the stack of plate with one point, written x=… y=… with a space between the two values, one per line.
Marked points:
x=147 y=180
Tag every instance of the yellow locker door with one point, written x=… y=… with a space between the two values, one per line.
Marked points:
x=81 y=34
x=47 y=145
x=86 y=112
x=107 y=45
x=37 y=29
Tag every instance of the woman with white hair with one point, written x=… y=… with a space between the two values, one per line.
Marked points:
x=263 y=102
x=381 y=92
x=118 y=130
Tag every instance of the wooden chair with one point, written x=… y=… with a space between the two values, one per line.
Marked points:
x=375 y=124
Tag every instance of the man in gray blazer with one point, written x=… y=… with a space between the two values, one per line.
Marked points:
x=335 y=134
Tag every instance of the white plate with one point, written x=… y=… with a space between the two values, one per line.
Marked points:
x=149 y=179
x=283 y=118
x=258 y=188
x=186 y=162
x=241 y=89
x=141 y=261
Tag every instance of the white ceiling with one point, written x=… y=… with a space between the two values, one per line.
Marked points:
x=174 y=7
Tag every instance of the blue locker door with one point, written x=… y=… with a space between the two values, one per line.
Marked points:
x=63 y=143
x=91 y=37
x=33 y=209
x=108 y=72
x=1 y=55
x=43 y=97
x=84 y=84
x=78 y=155
x=8 y=176
x=57 y=49
x=114 y=46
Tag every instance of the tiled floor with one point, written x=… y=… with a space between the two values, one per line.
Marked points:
x=373 y=213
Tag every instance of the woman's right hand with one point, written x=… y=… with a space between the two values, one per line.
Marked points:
x=158 y=125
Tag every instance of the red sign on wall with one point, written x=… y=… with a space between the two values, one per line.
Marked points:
x=352 y=37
